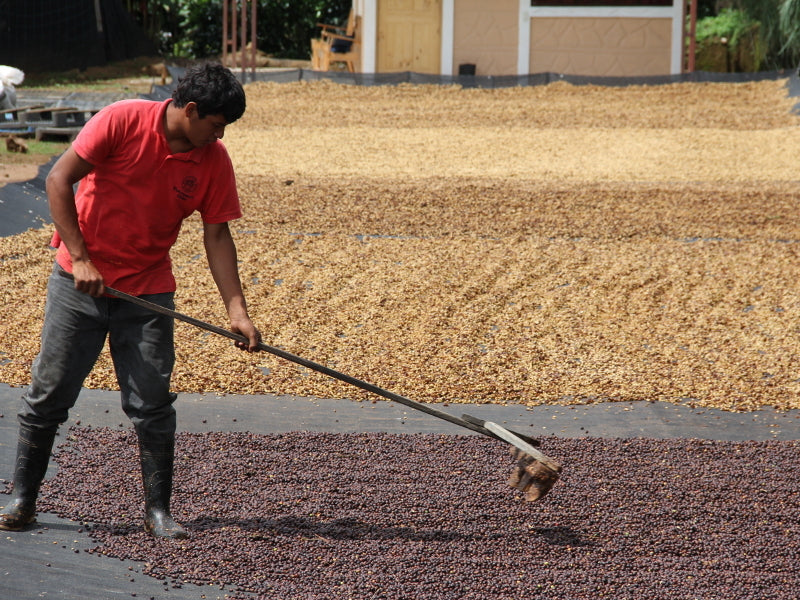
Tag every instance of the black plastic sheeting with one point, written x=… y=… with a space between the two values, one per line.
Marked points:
x=24 y=205
x=480 y=81
x=162 y=92
x=48 y=35
x=794 y=89
x=53 y=560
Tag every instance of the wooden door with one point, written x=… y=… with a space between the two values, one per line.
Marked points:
x=409 y=36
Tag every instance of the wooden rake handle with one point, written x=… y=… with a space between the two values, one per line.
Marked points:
x=473 y=424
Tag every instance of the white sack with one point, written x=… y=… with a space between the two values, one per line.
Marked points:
x=11 y=75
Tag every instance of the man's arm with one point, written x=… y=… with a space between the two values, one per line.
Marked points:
x=68 y=170
x=222 y=260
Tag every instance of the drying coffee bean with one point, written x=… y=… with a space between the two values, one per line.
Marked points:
x=378 y=515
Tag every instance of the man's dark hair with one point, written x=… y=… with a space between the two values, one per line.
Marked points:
x=215 y=90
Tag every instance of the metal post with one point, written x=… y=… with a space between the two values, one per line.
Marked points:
x=692 y=35
x=253 y=37
x=243 y=16
x=233 y=32
x=224 y=32
x=233 y=40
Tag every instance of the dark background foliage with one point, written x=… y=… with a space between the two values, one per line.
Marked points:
x=193 y=28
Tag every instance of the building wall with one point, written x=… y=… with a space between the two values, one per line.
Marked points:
x=485 y=34
x=583 y=40
x=621 y=47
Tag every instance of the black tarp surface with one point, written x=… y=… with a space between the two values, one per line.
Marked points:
x=52 y=559
x=52 y=35
x=493 y=81
x=23 y=205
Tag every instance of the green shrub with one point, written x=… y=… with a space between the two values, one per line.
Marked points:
x=728 y=24
x=789 y=25
x=779 y=31
x=732 y=38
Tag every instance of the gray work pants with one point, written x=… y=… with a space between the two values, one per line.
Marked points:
x=75 y=329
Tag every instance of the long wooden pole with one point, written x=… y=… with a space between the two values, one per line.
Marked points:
x=469 y=423
x=243 y=16
x=253 y=37
x=692 y=35
x=225 y=39
x=235 y=33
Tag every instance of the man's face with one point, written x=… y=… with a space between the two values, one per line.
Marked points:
x=202 y=132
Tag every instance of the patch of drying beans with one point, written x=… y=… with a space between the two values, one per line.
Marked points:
x=327 y=516
x=551 y=244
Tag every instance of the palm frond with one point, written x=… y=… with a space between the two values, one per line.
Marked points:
x=789 y=20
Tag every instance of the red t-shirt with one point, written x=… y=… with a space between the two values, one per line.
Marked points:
x=132 y=204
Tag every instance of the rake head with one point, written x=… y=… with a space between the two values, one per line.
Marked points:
x=532 y=477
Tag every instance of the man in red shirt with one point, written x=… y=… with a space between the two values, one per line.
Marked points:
x=143 y=167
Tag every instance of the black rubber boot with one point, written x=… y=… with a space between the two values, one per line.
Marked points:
x=157 y=459
x=33 y=455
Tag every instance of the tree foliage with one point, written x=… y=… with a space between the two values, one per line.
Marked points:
x=789 y=25
x=779 y=29
x=193 y=28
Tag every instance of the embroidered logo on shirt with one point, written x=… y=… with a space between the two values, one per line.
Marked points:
x=189 y=184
